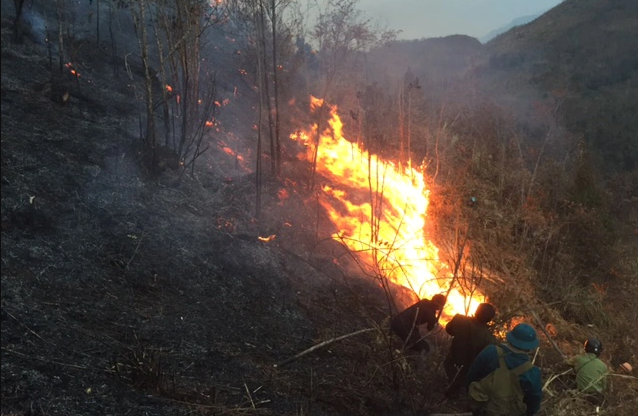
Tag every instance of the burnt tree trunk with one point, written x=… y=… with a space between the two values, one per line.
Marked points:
x=273 y=18
x=18 y=33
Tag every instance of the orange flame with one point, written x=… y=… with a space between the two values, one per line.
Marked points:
x=380 y=211
x=267 y=239
x=72 y=70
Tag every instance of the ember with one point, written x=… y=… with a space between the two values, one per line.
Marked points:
x=72 y=70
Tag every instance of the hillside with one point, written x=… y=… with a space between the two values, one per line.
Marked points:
x=124 y=295
x=439 y=63
x=126 y=292
x=514 y=23
x=578 y=59
x=580 y=56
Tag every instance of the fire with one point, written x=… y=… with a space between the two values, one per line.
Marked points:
x=380 y=212
x=72 y=70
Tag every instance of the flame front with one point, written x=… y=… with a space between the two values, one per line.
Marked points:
x=380 y=211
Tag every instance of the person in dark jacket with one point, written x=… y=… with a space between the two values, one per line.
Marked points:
x=520 y=341
x=470 y=336
x=406 y=323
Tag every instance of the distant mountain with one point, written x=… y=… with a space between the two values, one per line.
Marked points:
x=579 y=58
x=581 y=54
x=516 y=22
x=437 y=62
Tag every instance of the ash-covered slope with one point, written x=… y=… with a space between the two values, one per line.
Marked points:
x=125 y=295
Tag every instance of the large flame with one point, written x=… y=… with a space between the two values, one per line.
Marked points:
x=380 y=211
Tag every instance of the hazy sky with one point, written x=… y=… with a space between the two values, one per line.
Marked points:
x=433 y=18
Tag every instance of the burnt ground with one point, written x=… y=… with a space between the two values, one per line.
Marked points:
x=128 y=296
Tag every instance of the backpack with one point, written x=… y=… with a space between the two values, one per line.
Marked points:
x=499 y=393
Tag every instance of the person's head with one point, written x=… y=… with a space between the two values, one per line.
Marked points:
x=439 y=301
x=523 y=337
x=594 y=346
x=485 y=313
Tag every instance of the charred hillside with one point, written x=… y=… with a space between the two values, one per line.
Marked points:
x=142 y=297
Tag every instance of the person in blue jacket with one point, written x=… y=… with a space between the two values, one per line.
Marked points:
x=520 y=341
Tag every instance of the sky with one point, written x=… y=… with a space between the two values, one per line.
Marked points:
x=434 y=18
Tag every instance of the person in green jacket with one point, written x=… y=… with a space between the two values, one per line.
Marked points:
x=591 y=371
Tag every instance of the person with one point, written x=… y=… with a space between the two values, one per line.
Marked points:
x=470 y=336
x=591 y=371
x=406 y=323
x=514 y=355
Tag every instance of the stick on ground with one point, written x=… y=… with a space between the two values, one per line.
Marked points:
x=322 y=344
x=549 y=338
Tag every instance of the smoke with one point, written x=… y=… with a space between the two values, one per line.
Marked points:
x=36 y=24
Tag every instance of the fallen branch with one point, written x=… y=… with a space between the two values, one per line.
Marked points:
x=552 y=378
x=321 y=344
x=549 y=338
x=53 y=361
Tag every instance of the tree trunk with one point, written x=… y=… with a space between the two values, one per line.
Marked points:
x=98 y=22
x=18 y=34
x=150 y=155
x=273 y=18
x=60 y=37
x=265 y=84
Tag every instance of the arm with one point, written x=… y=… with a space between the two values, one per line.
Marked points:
x=533 y=390
x=432 y=321
x=571 y=361
x=427 y=314
x=483 y=364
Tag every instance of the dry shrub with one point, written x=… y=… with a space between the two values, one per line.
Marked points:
x=562 y=399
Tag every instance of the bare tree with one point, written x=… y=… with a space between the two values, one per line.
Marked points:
x=275 y=69
x=18 y=34
x=61 y=12
x=187 y=102
x=181 y=25
x=139 y=20
x=344 y=35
